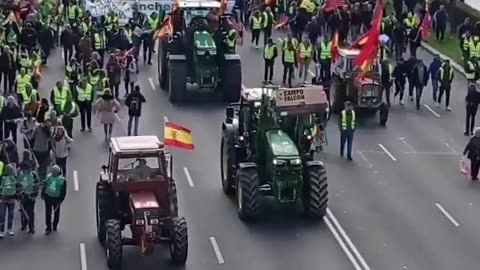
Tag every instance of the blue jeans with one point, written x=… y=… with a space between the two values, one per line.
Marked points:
x=6 y=209
x=346 y=136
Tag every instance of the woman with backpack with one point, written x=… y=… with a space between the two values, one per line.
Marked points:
x=107 y=108
x=134 y=103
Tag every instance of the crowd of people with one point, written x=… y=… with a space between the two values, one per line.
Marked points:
x=99 y=55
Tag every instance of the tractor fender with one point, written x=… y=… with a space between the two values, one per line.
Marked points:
x=246 y=165
x=177 y=57
x=231 y=57
x=313 y=163
x=228 y=135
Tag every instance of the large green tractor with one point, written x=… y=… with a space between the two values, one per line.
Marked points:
x=196 y=53
x=266 y=150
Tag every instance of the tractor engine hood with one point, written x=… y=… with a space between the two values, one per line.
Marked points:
x=282 y=147
x=204 y=43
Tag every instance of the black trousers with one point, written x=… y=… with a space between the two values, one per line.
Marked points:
x=67 y=123
x=440 y=32
x=325 y=72
x=115 y=87
x=444 y=89
x=128 y=86
x=62 y=163
x=148 y=43
x=268 y=72
x=470 y=118
x=52 y=205
x=287 y=71
x=85 y=108
x=399 y=48
x=255 y=36
x=267 y=33
x=5 y=76
x=67 y=54
x=413 y=48
x=28 y=213
x=386 y=88
x=11 y=129
x=399 y=88
x=474 y=167
x=418 y=95
x=43 y=161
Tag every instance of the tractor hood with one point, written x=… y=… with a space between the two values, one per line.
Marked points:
x=204 y=42
x=281 y=144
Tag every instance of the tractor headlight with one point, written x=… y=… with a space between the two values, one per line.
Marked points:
x=296 y=161
x=309 y=137
x=374 y=100
x=213 y=52
x=364 y=100
x=139 y=222
x=154 y=221
x=278 y=162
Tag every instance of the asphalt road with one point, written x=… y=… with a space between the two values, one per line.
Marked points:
x=402 y=203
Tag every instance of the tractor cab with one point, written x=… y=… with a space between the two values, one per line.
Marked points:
x=368 y=92
x=344 y=66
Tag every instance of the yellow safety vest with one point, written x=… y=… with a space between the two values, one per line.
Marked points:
x=100 y=42
x=72 y=110
x=305 y=52
x=265 y=16
x=289 y=56
x=110 y=21
x=308 y=5
x=474 y=49
x=59 y=96
x=2 y=105
x=153 y=23
x=22 y=81
x=85 y=94
x=28 y=98
x=411 y=22
x=2 y=166
x=326 y=50
x=344 y=120
x=86 y=27
x=257 y=23
x=71 y=12
x=269 y=51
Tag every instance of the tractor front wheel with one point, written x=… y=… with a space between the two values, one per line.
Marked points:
x=177 y=81
x=315 y=195
x=179 y=241
x=248 y=193
x=103 y=210
x=113 y=243
x=226 y=167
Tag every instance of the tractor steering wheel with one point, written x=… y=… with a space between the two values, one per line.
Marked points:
x=197 y=21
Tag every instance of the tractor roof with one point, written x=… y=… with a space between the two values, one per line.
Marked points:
x=137 y=144
x=348 y=52
x=301 y=100
x=255 y=94
x=199 y=4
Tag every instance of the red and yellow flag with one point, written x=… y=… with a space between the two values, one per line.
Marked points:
x=335 y=47
x=178 y=136
x=165 y=30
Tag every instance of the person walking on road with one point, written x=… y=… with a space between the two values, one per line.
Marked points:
x=114 y=73
x=84 y=101
x=107 y=108
x=29 y=182
x=58 y=96
x=305 y=53
x=53 y=193
x=11 y=114
x=399 y=75
x=256 y=27
x=387 y=79
x=60 y=146
x=134 y=103
x=420 y=80
x=289 y=59
x=446 y=79
x=269 y=54
x=41 y=147
x=8 y=193
x=471 y=103
x=131 y=74
x=472 y=151
x=348 y=125
x=268 y=21
x=434 y=72
x=66 y=41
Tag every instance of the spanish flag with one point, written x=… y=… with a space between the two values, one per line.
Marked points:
x=178 y=136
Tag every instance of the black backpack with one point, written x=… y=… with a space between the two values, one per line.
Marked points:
x=135 y=105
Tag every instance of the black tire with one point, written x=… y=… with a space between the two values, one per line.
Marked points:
x=226 y=168
x=336 y=95
x=247 y=194
x=103 y=209
x=173 y=199
x=177 y=81
x=231 y=81
x=315 y=192
x=113 y=243
x=383 y=115
x=162 y=65
x=179 y=241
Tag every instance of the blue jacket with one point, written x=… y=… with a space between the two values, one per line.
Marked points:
x=434 y=69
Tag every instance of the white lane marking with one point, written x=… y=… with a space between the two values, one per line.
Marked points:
x=342 y=244
x=404 y=141
x=217 y=251
x=366 y=160
x=348 y=240
x=450 y=147
x=311 y=73
x=151 y=83
x=444 y=212
x=387 y=152
x=75 y=180
x=432 y=153
x=83 y=257
x=431 y=110
x=189 y=178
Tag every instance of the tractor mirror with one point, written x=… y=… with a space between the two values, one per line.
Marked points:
x=230 y=112
x=104 y=167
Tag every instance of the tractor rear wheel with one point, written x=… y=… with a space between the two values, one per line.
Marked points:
x=231 y=81
x=113 y=243
x=103 y=210
x=247 y=193
x=173 y=198
x=177 y=80
x=162 y=65
x=226 y=167
x=316 y=193
x=179 y=241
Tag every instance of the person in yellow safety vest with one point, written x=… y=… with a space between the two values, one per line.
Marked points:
x=29 y=95
x=111 y=24
x=472 y=70
x=305 y=53
x=309 y=7
x=256 y=27
x=445 y=80
x=230 y=40
x=474 y=47
x=289 y=59
x=72 y=73
x=347 y=125
x=86 y=25
x=465 y=46
x=323 y=56
x=23 y=79
x=69 y=112
x=289 y=40
x=269 y=54
x=84 y=100
x=268 y=21
x=152 y=24
x=58 y=95
x=74 y=13
x=26 y=62
x=411 y=22
x=100 y=44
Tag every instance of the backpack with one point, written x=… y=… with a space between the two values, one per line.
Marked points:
x=135 y=105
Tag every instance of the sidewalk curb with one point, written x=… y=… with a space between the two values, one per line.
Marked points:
x=433 y=51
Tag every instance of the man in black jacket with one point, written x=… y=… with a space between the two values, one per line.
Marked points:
x=67 y=42
x=134 y=103
x=28 y=36
x=399 y=75
x=471 y=103
x=420 y=80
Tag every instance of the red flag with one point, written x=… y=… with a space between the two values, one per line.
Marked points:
x=271 y=3
x=165 y=30
x=223 y=7
x=282 y=23
x=369 y=52
x=426 y=26
x=360 y=42
x=334 y=4
x=335 y=47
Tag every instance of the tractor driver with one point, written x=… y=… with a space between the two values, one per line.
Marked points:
x=142 y=171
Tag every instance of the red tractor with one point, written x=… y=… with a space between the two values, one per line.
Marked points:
x=136 y=190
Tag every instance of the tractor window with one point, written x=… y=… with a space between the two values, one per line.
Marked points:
x=138 y=169
x=189 y=14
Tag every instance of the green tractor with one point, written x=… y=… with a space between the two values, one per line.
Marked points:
x=267 y=149
x=196 y=53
